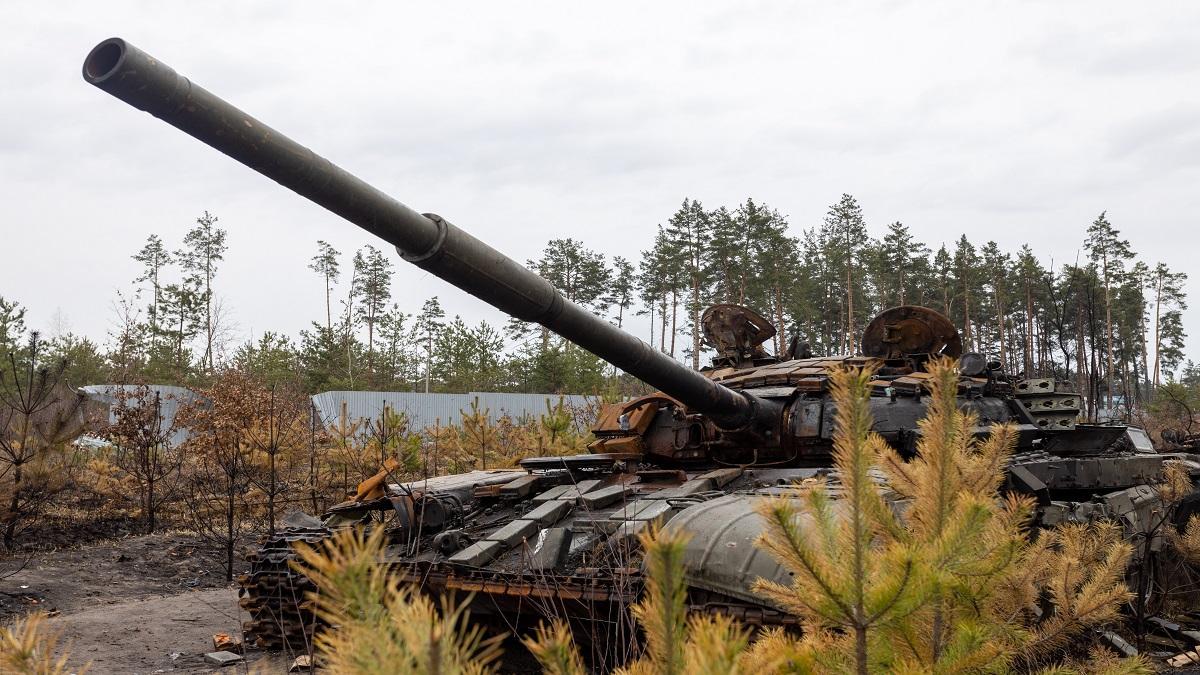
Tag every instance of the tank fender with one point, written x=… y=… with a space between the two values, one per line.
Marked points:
x=721 y=555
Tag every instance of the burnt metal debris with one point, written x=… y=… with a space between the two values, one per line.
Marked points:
x=557 y=537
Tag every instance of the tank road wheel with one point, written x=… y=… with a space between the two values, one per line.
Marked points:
x=275 y=594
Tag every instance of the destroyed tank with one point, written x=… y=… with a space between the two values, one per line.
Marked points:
x=557 y=536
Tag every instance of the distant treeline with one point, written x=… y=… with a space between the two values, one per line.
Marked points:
x=1110 y=322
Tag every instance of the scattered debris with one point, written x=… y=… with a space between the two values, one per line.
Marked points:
x=222 y=658
x=300 y=519
x=224 y=642
x=302 y=662
x=1118 y=643
x=1184 y=659
x=1173 y=630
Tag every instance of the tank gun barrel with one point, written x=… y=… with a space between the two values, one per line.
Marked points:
x=425 y=240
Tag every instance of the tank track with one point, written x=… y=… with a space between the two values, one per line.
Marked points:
x=275 y=594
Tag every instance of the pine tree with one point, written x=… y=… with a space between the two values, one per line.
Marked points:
x=383 y=625
x=1139 y=281
x=689 y=232
x=904 y=257
x=273 y=359
x=183 y=306
x=621 y=291
x=86 y=363
x=1169 y=302
x=996 y=268
x=12 y=326
x=966 y=275
x=853 y=572
x=466 y=358
x=325 y=263
x=811 y=309
x=659 y=280
x=397 y=356
x=577 y=272
x=1108 y=250
x=426 y=329
x=204 y=248
x=774 y=253
x=372 y=290
x=753 y=261
x=943 y=266
x=1030 y=274
x=847 y=236
x=154 y=258
x=323 y=355
x=730 y=255
x=39 y=416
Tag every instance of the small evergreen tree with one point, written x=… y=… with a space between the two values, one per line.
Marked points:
x=372 y=290
x=428 y=326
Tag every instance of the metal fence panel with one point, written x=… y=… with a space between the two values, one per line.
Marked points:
x=426 y=410
x=171 y=399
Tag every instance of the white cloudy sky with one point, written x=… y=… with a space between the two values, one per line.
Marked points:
x=523 y=121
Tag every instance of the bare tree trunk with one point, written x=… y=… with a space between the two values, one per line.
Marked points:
x=849 y=302
x=14 y=505
x=1081 y=356
x=1028 y=331
x=662 y=336
x=967 y=316
x=781 y=334
x=1157 y=328
x=312 y=455
x=150 y=510
x=229 y=531
x=349 y=327
x=179 y=341
x=695 y=321
x=1000 y=326
x=674 y=316
x=271 y=497
x=370 y=342
x=1091 y=313
x=328 y=306
x=860 y=650
x=1108 y=334
x=841 y=334
x=208 y=322
x=1144 y=376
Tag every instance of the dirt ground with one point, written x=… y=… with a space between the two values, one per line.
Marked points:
x=139 y=604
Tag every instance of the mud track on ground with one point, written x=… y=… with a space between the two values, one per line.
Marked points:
x=138 y=604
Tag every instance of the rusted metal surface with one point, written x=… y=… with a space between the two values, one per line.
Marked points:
x=737 y=334
x=907 y=330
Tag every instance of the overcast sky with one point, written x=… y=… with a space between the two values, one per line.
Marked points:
x=525 y=121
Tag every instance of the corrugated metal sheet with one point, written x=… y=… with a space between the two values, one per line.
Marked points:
x=170 y=400
x=423 y=410
x=426 y=410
